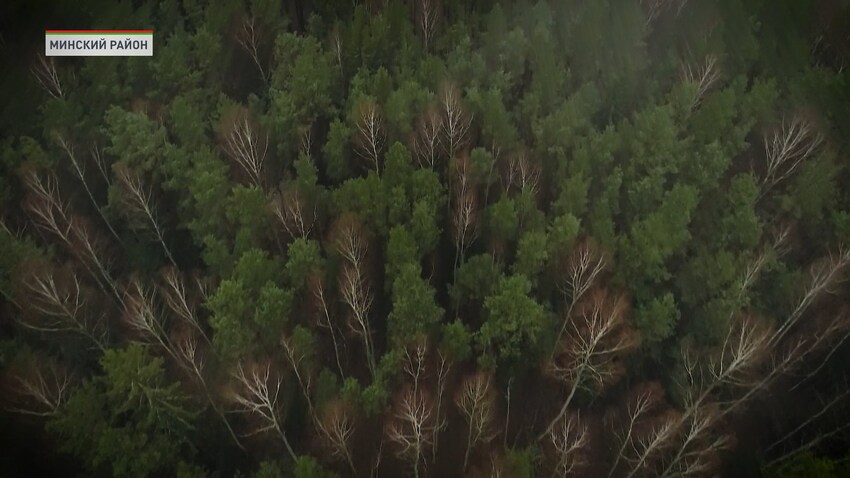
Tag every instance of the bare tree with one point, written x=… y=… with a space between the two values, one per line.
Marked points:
x=336 y=45
x=442 y=378
x=643 y=402
x=298 y=359
x=569 y=441
x=190 y=358
x=370 y=137
x=79 y=169
x=296 y=216
x=523 y=173
x=143 y=317
x=476 y=401
x=257 y=393
x=584 y=267
x=645 y=449
x=427 y=141
x=139 y=201
x=697 y=451
x=426 y=20
x=41 y=388
x=588 y=356
x=465 y=213
x=336 y=427
x=50 y=212
x=414 y=361
x=702 y=76
x=47 y=77
x=247 y=147
x=654 y=8
x=316 y=286
x=46 y=206
x=353 y=284
x=248 y=38
x=823 y=275
x=63 y=306
x=176 y=296
x=456 y=120
x=411 y=428
x=788 y=146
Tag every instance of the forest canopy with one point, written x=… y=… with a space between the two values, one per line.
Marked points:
x=428 y=238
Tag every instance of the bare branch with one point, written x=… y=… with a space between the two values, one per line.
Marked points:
x=788 y=146
x=258 y=394
x=47 y=77
x=248 y=38
x=140 y=202
x=247 y=147
x=42 y=387
x=702 y=76
x=370 y=133
x=476 y=401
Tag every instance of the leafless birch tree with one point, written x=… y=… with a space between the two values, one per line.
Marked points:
x=316 y=286
x=336 y=427
x=247 y=147
x=588 y=355
x=293 y=212
x=257 y=393
x=476 y=401
x=569 y=441
x=584 y=267
x=411 y=427
x=426 y=20
x=370 y=137
x=703 y=76
x=62 y=305
x=248 y=38
x=787 y=147
x=139 y=201
x=176 y=296
x=79 y=169
x=353 y=284
x=427 y=141
x=40 y=388
x=456 y=120
x=47 y=77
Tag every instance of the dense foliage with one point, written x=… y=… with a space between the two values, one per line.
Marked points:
x=426 y=238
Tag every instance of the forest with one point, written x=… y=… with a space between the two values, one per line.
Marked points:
x=427 y=238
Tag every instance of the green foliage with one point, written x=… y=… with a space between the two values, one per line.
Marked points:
x=129 y=421
x=415 y=312
x=514 y=323
x=304 y=258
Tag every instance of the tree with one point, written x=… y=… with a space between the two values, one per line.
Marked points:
x=139 y=201
x=588 y=357
x=40 y=387
x=256 y=392
x=414 y=309
x=336 y=425
x=786 y=147
x=61 y=303
x=426 y=20
x=476 y=400
x=246 y=145
x=107 y=418
x=569 y=440
x=370 y=133
x=46 y=75
x=353 y=283
x=514 y=324
x=412 y=427
x=456 y=120
x=427 y=142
